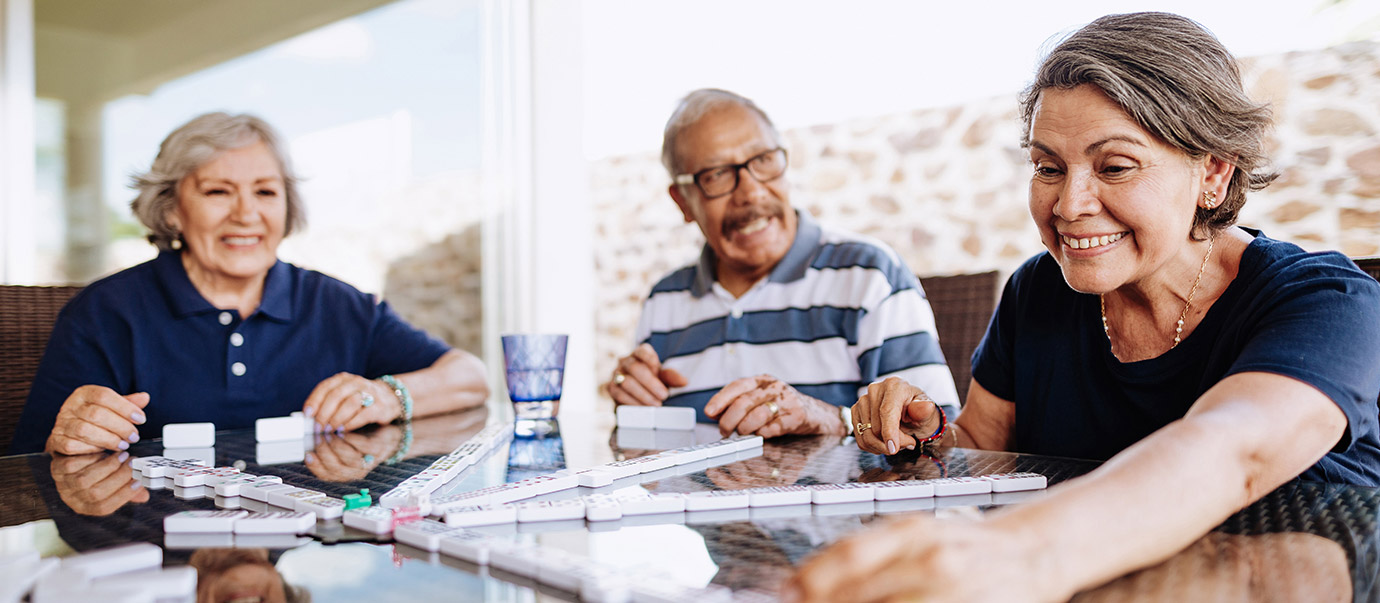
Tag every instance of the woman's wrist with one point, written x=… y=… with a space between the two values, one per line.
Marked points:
x=403 y=396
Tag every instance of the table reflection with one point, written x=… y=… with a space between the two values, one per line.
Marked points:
x=242 y=575
x=96 y=484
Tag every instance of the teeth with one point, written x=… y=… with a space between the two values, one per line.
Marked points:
x=754 y=226
x=1090 y=242
x=241 y=240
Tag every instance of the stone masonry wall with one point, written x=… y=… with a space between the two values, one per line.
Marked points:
x=947 y=187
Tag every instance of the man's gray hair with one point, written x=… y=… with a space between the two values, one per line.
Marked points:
x=695 y=106
x=1175 y=79
x=192 y=146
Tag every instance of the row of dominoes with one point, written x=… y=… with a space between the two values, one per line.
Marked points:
x=228 y=482
x=607 y=507
x=559 y=569
x=238 y=522
x=448 y=467
x=130 y=572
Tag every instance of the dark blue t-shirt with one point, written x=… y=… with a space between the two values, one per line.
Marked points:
x=1314 y=317
x=147 y=329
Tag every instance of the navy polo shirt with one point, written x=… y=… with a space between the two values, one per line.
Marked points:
x=147 y=329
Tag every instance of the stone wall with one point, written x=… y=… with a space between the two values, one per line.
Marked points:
x=947 y=187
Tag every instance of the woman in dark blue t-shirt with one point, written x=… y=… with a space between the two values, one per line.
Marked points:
x=217 y=329
x=1207 y=363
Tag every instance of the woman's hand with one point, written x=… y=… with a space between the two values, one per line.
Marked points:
x=921 y=558
x=893 y=415
x=96 y=484
x=346 y=402
x=95 y=418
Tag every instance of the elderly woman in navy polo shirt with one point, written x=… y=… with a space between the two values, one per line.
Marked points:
x=217 y=329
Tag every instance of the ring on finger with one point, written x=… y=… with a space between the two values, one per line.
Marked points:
x=619 y=378
x=775 y=410
x=861 y=427
x=365 y=400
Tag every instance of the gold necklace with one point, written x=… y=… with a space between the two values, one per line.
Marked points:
x=1178 y=330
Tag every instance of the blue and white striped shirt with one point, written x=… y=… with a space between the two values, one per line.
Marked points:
x=839 y=312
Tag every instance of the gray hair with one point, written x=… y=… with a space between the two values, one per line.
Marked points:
x=696 y=105
x=192 y=146
x=1177 y=80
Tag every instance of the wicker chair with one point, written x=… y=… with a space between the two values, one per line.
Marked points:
x=963 y=306
x=27 y=315
x=1371 y=265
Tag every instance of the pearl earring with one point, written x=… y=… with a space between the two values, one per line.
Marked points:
x=1209 y=199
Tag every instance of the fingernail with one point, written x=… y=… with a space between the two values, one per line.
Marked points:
x=138 y=417
x=890 y=447
x=340 y=430
x=311 y=458
x=310 y=411
x=134 y=484
x=134 y=437
x=911 y=447
x=123 y=445
x=123 y=455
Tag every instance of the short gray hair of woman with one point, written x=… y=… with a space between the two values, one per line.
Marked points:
x=190 y=147
x=696 y=105
x=1177 y=80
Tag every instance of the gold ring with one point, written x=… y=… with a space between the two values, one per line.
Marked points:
x=775 y=410
x=863 y=427
x=619 y=378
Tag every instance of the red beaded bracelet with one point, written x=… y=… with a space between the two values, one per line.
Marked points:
x=943 y=425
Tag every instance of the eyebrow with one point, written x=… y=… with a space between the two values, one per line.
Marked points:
x=1092 y=148
x=720 y=161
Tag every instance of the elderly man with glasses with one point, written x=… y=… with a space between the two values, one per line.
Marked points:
x=782 y=323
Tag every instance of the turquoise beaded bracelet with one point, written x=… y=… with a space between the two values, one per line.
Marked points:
x=403 y=395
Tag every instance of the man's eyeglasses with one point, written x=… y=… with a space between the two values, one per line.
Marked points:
x=722 y=180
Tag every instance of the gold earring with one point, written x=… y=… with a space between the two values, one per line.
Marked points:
x=1209 y=199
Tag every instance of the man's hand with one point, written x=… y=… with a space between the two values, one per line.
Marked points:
x=640 y=380
x=96 y=418
x=767 y=406
x=96 y=484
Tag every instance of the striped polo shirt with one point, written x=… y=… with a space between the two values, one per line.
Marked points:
x=839 y=312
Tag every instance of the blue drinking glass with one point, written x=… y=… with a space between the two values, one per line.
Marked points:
x=535 y=365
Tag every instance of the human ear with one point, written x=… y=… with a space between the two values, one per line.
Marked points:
x=1217 y=175
x=682 y=202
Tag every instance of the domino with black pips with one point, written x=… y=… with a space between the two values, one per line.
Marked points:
x=468 y=545
x=323 y=507
x=202 y=522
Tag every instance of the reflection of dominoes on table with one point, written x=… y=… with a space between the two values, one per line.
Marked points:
x=123 y=573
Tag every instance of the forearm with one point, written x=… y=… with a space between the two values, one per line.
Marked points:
x=454 y=382
x=1158 y=496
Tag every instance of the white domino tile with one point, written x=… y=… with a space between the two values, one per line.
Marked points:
x=425 y=534
x=602 y=507
x=900 y=490
x=648 y=504
x=779 y=496
x=161 y=584
x=232 y=486
x=189 y=435
x=323 y=507
x=375 y=520
x=468 y=545
x=553 y=510
x=275 y=522
x=636 y=417
x=279 y=429
x=714 y=500
x=1017 y=482
x=202 y=521
x=204 y=476
x=115 y=560
x=958 y=486
x=828 y=494
x=482 y=515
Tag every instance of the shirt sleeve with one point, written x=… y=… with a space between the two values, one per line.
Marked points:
x=74 y=357
x=897 y=339
x=398 y=347
x=1320 y=324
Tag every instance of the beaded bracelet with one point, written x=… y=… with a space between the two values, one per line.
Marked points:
x=943 y=426
x=403 y=395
